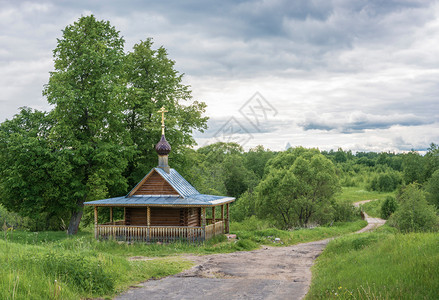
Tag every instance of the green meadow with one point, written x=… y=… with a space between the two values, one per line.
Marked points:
x=378 y=265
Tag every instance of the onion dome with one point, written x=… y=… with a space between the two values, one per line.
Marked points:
x=163 y=148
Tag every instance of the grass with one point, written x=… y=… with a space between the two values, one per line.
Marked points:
x=378 y=265
x=51 y=265
x=267 y=236
x=373 y=208
x=43 y=272
x=355 y=193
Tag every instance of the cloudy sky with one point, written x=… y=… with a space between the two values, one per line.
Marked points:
x=361 y=75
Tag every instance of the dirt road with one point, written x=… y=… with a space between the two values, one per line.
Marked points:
x=372 y=223
x=267 y=273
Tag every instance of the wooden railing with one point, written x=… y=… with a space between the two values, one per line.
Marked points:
x=158 y=233
x=214 y=229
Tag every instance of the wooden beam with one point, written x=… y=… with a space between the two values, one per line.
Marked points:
x=213 y=214
x=227 y=218
x=111 y=214
x=125 y=216
x=148 y=216
x=222 y=217
x=203 y=217
x=96 y=221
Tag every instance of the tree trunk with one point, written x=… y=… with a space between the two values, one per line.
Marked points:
x=75 y=219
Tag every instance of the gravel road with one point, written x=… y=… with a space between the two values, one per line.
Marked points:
x=267 y=273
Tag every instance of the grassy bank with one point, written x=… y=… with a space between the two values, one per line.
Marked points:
x=44 y=272
x=378 y=265
x=255 y=232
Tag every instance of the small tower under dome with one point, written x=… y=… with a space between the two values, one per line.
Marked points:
x=163 y=148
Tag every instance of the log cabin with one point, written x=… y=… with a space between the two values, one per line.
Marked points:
x=163 y=207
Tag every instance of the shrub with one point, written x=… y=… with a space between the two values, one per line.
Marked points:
x=385 y=182
x=388 y=207
x=345 y=212
x=414 y=213
x=432 y=189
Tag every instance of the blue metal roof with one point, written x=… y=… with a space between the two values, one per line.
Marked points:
x=138 y=200
x=188 y=195
x=177 y=181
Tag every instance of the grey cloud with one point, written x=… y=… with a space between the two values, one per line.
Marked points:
x=359 y=122
x=269 y=126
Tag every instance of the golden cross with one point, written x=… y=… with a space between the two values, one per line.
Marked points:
x=162 y=110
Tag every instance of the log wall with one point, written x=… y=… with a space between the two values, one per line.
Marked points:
x=160 y=216
x=155 y=185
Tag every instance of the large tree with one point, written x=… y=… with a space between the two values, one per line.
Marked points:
x=300 y=183
x=34 y=175
x=152 y=83
x=87 y=91
x=98 y=139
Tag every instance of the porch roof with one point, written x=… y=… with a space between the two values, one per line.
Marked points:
x=196 y=200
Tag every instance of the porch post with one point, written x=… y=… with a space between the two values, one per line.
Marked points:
x=96 y=221
x=228 y=218
x=124 y=216
x=213 y=220
x=213 y=214
x=203 y=217
x=148 y=221
x=222 y=217
x=111 y=214
x=203 y=222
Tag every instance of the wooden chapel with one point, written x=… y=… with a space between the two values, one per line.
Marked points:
x=163 y=207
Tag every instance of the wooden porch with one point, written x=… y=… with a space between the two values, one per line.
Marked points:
x=121 y=232
x=144 y=231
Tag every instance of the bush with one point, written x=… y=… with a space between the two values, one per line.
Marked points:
x=385 y=182
x=432 y=189
x=388 y=207
x=345 y=212
x=414 y=213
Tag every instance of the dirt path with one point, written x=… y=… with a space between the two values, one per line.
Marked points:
x=267 y=273
x=372 y=223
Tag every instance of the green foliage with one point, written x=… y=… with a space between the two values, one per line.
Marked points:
x=354 y=194
x=256 y=159
x=413 y=165
x=243 y=207
x=372 y=208
x=153 y=82
x=385 y=182
x=263 y=233
x=35 y=176
x=388 y=207
x=291 y=195
x=98 y=140
x=12 y=219
x=413 y=212
x=220 y=169
x=46 y=269
x=345 y=212
x=432 y=189
x=378 y=265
